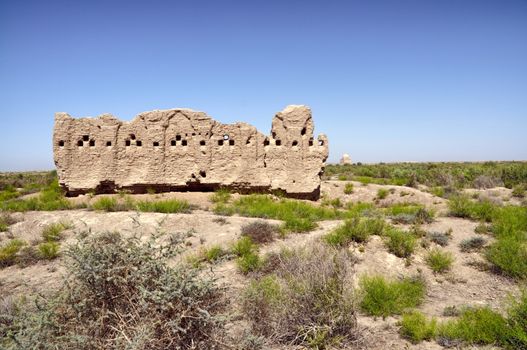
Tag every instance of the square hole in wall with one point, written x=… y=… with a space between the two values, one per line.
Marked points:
x=61 y=143
x=220 y=142
x=266 y=142
x=85 y=137
x=173 y=143
x=92 y=143
x=231 y=142
x=184 y=142
x=178 y=137
x=80 y=143
x=127 y=143
x=202 y=143
x=311 y=142
x=138 y=143
x=108 y=143
x=156 y=144
x=278 y=142
x=295 y=143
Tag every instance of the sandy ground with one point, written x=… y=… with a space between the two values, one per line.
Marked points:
x=465 y=285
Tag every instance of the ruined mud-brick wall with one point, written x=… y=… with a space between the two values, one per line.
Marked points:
x=181 y=149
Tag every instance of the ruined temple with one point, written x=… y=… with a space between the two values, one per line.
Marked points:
x=182 y=149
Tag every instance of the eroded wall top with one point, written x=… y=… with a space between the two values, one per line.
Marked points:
x=181 y=149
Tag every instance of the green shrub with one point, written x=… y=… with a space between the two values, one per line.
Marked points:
x=214 y=253
x=222 y=195
x=6 y=220
x=400 y=243
x=517 y=321
x=519 y=191
x=297 y=216
x=167 y=206
x=49 y=250
x=438 y=191
x=382 y=297
x=343 y=177
x=105 y=204
x=476 y=326
x=27 y=256
x=462 y=206
x=439 y=261
x=348 y=189
x=8 y=252
x=306 y=301
x=472 y=244
x=247 y=252
x=122 y=293
x=53 y=232
x=50 y=198
x=416 y=328
x=509 y=255
x=382 y=193
x=361 y=209
x=356 y=229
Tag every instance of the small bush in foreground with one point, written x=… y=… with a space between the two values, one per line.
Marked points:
x=400 y=243
x=472 y=244
x=439 y=261
x=48 y=250
x=306 y=301
x=462 y=206
x=382 y=297
x=260 y=231
x=348 y=189
x=8 y=252
x=120 y=293
x=416 y=328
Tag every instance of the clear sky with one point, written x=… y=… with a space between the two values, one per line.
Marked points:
x=419 y=80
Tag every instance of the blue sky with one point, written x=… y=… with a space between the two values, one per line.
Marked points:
x=387 y=81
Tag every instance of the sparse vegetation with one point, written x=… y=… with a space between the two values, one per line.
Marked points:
x=472 y=244
x=439 y=261
x=462 y=206
x=120 y=292
x=416 y=328
x=50 y=198
x=169 y=206
x=6 y=220
x=48 y=250
x=306 y=300
x=382 y=193
x=9 y=250
x=356 y=229
x=297 y=216
x=409 y=213
x=348 y=188
x=53 y=232
x=222 y=195
x=400 y=243
x=519 y=191
x=105 y=204
x=247 y=252
x=260 y=231
x=440 y=238
x=452 y=175
x=382 y=297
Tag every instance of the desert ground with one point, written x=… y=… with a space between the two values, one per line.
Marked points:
x=469 y=281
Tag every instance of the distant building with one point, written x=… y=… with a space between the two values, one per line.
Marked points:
x=346 y=159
